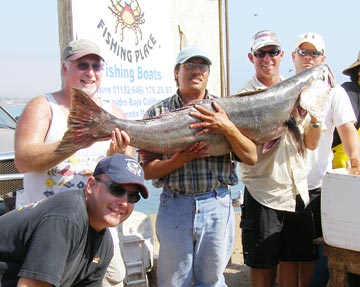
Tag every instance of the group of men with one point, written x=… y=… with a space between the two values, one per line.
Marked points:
x=278 y=244
x=96 y=187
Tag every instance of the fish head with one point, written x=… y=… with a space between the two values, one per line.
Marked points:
x=314 y=97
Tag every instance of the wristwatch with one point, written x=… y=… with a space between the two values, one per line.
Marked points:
x=315 y=125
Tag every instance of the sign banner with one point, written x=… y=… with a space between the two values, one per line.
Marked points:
x=139 y=40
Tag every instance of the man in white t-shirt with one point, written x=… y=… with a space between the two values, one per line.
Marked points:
x=310 y=51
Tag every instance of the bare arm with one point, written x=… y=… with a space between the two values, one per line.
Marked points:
x=350 y=140
x=31 y=153
x=219 y=123
x=26 y=282
x=312 y=134
x=159 y=168
x=120 y=140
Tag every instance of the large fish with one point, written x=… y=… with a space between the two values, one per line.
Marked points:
x=263 y=116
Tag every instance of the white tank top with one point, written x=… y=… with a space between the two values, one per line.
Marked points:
x=69 y=174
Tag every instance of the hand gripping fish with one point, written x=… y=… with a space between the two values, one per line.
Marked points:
x=263 y=116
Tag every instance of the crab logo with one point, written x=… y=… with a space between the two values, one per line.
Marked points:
x=134 y=167
x=128 y=15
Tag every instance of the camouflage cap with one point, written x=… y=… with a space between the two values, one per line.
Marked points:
x=264 y=38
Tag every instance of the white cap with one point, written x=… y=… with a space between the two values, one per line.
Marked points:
x=314 y=39
x=264 y=38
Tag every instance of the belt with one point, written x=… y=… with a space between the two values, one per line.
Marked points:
x=203 y=195
x=219 y=192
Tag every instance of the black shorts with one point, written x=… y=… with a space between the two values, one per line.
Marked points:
x=270 y=236
x=315 y=205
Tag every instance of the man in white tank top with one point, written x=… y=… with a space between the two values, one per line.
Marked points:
x=41 y=127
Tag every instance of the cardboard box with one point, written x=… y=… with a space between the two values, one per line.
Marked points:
x=340 y=209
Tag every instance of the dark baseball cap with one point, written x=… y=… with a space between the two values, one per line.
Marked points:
x=122 y=169
x=80 y=48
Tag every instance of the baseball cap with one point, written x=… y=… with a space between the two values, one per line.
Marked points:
x=122 y=169
x=354 y=65
x=315 y=39
x=191 y=52
x=80 y=48
x=264 y=38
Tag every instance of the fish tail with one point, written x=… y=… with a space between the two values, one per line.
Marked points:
x=83 y=121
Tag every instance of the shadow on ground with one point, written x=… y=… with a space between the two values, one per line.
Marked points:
x=237 y=275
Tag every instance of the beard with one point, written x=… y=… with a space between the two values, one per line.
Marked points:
x=90 y=90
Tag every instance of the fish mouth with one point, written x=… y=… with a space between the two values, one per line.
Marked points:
x=314 y=98
x=298 y=113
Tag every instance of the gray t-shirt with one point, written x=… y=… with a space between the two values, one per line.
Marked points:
x=52 y=241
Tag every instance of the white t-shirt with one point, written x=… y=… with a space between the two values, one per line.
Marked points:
x=320 y=160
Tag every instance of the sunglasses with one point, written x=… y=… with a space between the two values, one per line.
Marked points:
x=84 y=66
x=191 y=66
x=304 y=52
x=272 y=53
x=119 y=191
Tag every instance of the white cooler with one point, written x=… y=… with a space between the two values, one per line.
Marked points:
x=340 y=209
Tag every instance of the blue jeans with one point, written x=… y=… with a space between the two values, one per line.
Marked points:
x=321 y=273
x=196 y=236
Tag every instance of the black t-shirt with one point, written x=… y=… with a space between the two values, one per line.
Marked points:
x=52 y=241
x=353 y=90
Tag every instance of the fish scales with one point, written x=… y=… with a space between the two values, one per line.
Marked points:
x=262 y=116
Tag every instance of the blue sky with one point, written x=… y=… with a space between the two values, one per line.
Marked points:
x=336 y=21
x=30 y=47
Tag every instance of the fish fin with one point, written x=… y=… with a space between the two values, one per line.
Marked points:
x=249 y=93
x=83 y=117
x=296 y=135
x=270 y=145
x=294 y=132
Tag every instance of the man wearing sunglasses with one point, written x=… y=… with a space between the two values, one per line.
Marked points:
x=43 y=124
x=275 y=187
x=310 y=51
x=266 y=55
x=64 y=240
x=195 y=221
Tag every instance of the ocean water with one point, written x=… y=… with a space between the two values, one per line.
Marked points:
x=149 y=205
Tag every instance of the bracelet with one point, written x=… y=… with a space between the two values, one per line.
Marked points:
x=315 y=125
